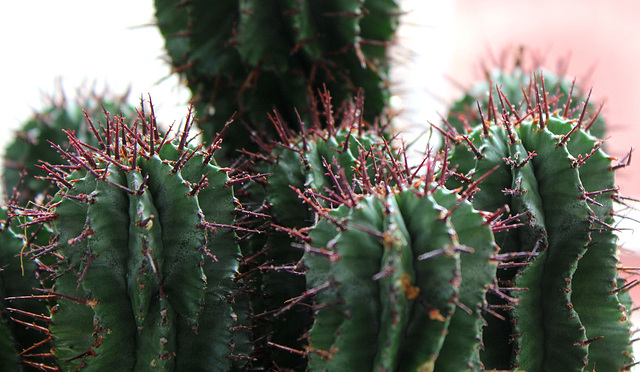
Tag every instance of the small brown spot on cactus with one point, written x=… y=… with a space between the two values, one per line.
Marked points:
x=410 y=290
x=434 y=314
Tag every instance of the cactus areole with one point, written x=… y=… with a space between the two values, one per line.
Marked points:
x=146 y=254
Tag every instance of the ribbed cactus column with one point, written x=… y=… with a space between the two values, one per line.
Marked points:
x=560 y=283
x=146 y=253
x=400 y=271
x=326 y=156
x=249 y=57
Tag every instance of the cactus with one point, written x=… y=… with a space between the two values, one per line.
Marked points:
x=252 y=56
x=22 y=344
x=403 y=267
x=554 y=177
x=30 y=146
x=146 y=254
x=333 y=142
x=512 y=82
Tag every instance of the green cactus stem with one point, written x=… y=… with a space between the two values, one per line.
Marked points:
x=386 y=267
x=249 y=57
x=325 y=156
x=560 y=267
x=146 y=254
x=24 y=339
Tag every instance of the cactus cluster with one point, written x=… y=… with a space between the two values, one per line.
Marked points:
x=252 y=56
x=320 y=248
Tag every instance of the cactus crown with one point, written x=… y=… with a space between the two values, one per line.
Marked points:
x=31 y=147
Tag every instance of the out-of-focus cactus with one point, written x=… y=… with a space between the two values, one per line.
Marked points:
x=560 y=275
x=23 y=157
x=146 y=254
x=249 y=56
x=514 y=78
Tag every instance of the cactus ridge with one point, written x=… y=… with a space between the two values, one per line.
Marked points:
x=550 y=173
x=146 y=254
x=263 y=54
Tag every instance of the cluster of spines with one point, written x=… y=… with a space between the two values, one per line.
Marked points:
x=556 y=180
x=31 y=147
x=518 y=82
x=250 y=56
x=145 y=253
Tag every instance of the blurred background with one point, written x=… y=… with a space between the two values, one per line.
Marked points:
x=114 y=46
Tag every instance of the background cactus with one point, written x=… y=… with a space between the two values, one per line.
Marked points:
x=555 y=178
x=146 y=254
x=513 y=78
x=250 y=57
x=30 y=147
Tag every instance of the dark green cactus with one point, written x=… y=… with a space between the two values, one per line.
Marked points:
x=249 y=56
x=23 y=156
x=400 y=271
x=312 y=158
x=326 y=156
x=556 y=179
x=146 y=255
x=23 y=320
x=512 y=82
